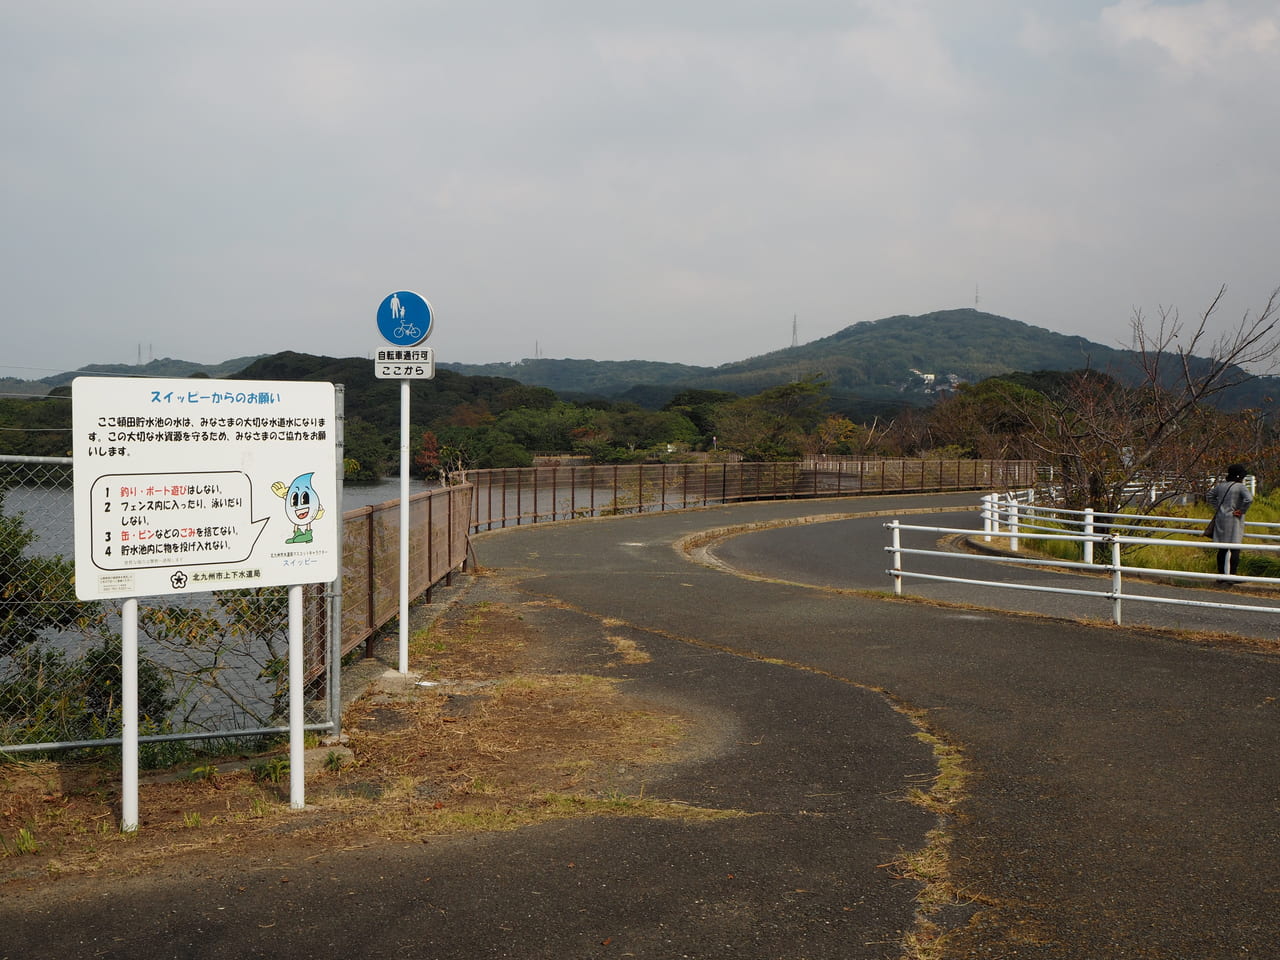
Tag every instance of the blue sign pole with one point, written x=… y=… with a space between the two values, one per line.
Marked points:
x=404 y=320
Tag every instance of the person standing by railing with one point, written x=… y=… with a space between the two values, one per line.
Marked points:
x=1230 y=499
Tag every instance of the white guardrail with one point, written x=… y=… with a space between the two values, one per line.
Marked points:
x=1014 y=517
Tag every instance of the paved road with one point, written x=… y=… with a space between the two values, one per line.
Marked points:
x=850 y=554
x=1123 y=800
x=1126 y=796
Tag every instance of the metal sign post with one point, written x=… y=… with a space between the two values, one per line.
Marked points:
x=404 y=320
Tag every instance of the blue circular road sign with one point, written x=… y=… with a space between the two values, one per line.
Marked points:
x=404 y=319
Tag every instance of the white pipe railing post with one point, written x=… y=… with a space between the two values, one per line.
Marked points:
x=896 y=552
x=1115 y=581
x=1088 y=532
x=1013 y=525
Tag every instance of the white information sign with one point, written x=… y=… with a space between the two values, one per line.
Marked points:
x=418 y=363
x=186 y=486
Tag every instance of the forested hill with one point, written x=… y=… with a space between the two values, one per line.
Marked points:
x=378 y=401
x=871 y=358
x=166 y=367
x=890 y=360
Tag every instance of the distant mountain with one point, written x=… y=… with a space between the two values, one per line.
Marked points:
x=166 y=367
x=599 y=377
x=870 y=358
x=897 y=359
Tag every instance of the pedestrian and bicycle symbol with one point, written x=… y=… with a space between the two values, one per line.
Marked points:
x=404 y=319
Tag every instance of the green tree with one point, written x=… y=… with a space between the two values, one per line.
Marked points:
x=773 y=424
x=365 y=451
x=544 y=430
x=524 y=396
x=699 y=407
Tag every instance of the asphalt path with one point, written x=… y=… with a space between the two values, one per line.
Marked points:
x=852 y=554
x=1122 y=803
x=1125 y=795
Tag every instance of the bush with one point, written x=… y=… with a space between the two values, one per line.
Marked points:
x=50 y=699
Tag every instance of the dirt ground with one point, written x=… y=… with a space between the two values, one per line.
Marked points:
x=499 y=741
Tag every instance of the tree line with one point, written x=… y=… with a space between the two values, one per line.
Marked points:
x=1095 y=434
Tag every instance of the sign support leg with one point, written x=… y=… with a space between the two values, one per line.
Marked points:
x=297 y=741
x=129 y=715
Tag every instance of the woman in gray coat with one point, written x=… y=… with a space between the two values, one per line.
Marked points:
x=1229 y=499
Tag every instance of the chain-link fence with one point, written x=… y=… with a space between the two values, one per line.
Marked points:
x=211 y=665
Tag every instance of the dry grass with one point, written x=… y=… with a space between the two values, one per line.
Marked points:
x=495 y=745
x=931 y=865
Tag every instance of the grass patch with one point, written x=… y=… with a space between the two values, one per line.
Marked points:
x=628 y=651
x=931 y=865
x=495 y=746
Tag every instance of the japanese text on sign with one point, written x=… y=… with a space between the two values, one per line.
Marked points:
x=181 y=487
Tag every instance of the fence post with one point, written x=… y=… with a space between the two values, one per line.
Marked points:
x=333 y=597
x=297 y=700
x=1013 y=525
x=1115 y=580
x=896 y=554
x=1088 y=532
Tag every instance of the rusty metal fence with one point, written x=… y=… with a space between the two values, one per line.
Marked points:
x=212 y=666
x=438 y=522
x=515 y=496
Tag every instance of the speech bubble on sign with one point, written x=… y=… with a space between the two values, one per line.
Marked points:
x=140 y=521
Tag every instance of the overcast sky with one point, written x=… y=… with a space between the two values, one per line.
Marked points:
x=666 y=179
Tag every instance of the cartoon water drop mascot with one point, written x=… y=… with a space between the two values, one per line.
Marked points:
x=301 y=506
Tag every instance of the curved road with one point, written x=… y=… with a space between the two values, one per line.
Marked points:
x=1122 y=799
x=1125 y=793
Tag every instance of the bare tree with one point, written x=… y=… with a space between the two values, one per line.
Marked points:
x=1195 y=378
x=1113 y=444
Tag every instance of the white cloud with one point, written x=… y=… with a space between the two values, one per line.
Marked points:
x=664 y=179
x=1205 y=36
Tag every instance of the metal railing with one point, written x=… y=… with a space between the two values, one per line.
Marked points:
x=438 y=538
x=515 y=496
x=1012 y=519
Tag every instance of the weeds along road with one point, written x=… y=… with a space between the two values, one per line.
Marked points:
x=1125 y=790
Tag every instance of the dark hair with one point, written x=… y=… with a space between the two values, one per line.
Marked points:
x=1236 y=471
